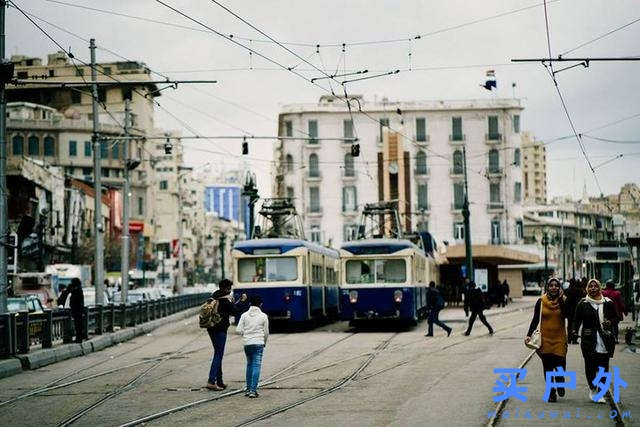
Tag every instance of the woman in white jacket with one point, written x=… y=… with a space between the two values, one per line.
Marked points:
x=254 y=328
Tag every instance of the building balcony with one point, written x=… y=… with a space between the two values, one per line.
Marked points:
x=349 y=175
x=314 y=210
x=495 y=206
x=421 y=173
x=350 y=212
x=493 y=138
x=494 y=172
x=422 y=140
x=456 y=206
x=422 y=209
x=456 y=171
x=314 y=176
x=457 y=138
x=312 y=144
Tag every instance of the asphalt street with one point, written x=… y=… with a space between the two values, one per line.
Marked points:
x=331 y=375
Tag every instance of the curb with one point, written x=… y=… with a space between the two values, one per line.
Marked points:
x=44 y=357
x=488 y=314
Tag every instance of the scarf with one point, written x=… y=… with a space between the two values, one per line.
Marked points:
x=595 y=301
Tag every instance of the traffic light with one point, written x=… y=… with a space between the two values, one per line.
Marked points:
x=355 y=150
x=167 y=147
x=245 y=147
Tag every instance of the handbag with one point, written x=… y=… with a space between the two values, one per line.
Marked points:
x=536 y=337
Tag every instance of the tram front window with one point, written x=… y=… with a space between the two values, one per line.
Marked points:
x=606 y=272
x=376 y=271
x=267 y=269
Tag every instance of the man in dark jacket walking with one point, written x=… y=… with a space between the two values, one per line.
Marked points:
x=76 y=303
x=476 y=305
x=218 y=333
x=435 y=303
x=466 y=291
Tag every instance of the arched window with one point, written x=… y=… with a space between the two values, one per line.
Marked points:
x=49 y=146
x=289 y=163
x=516 y=157
x=421 y=163
x=18 y=145
x=349 y=169
x=494 y=160
x=457 y=162
x=314 y=171
x=34 y=146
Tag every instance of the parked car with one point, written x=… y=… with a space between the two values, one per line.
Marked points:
x=30 y=303
x=531 y=288
x=138 y=295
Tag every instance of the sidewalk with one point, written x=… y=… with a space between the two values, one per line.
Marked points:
x=456 y=314
x=576 y=408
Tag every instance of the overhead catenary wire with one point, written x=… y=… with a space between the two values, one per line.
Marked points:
x=600 y=37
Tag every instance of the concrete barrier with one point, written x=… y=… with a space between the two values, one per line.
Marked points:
x=10 y=367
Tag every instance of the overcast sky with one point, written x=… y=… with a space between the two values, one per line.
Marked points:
x=247 y=100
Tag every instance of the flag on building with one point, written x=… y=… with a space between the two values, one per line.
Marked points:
x=491 y=73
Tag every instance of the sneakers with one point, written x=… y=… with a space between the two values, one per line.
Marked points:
x=428 y=335
x=214 y=387
x=252 y=394
x=466 y=334
x=222 y=385
x=449 y=331
x=592 y=394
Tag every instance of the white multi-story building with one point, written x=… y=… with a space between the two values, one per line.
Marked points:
x=409 y=151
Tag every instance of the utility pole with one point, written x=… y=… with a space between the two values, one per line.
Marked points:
x=4 y=211
x=545 y=242
x=97 y=184
x=124 y=268
x=179 y=285
x=562 y=244
x=223 y=237
x=467 y=226
x=573 y=260
x=251 y=191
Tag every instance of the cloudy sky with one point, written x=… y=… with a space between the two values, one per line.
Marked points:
x=447 y=62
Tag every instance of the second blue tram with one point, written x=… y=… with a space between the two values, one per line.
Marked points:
x=296 y=279
x=384 y=279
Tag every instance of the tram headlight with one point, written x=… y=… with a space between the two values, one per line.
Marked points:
x=287 y=297
x=397 y=296
x=353 y=297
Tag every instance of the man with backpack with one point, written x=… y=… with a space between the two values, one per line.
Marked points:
x=435 y=303
x=214 y=316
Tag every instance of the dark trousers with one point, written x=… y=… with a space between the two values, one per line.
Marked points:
x=549 y=364
x=480 y=316
x=433 y=318
x=77 y=325
x=592 y=363
x=218 y=339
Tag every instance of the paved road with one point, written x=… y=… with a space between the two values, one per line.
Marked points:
x=328 y=376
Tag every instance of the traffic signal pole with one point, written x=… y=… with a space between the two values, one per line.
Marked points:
x=4 y=211
x=467 y=225
x=124 y=267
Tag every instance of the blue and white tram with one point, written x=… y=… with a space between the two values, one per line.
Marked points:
x=384 y=279
x=296 y=279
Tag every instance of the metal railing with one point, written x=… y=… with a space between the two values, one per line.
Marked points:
x=20 y=331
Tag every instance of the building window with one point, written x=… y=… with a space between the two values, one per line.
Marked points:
x=76 y=97
x=69 y=171
x=458 y=230
x=164 y=184
x=18 y=145
x=456 y=129
x=350 y=232
x=140 y=206
x=102 y=94
x=34 y=146
x=493 y=128
x=87 y=148
x=289 y=163
x=516 y=123
x=495 y=232
x=115 y=151
x=516 y=157
x=458 y=195
x=421 y=129
x=519 y=230
x=458 y=163
x=106 y=70
x=22 y=75
x=314 y=170
x=288 y=128
x=526 y=182
x=517 y=192
x=423 y=200
x=73 y=148
x=104 y=150
x=494 y=192
x=87 y=172
x=383 y=123
x=313 y=131
x=315 y=234
x=349 y=199
x=314 y=199
x=347 y=128
x=494 y=161
x=349 y=169
x=49 y=146
x=421 y=163
x=105 y=172
x=290 y=192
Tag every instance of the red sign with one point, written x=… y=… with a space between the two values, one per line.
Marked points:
x=136 y=226
x=175 y=248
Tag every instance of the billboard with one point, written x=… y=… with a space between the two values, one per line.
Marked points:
x=226 y=201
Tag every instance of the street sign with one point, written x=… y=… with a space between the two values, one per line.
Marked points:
x=12 y=253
